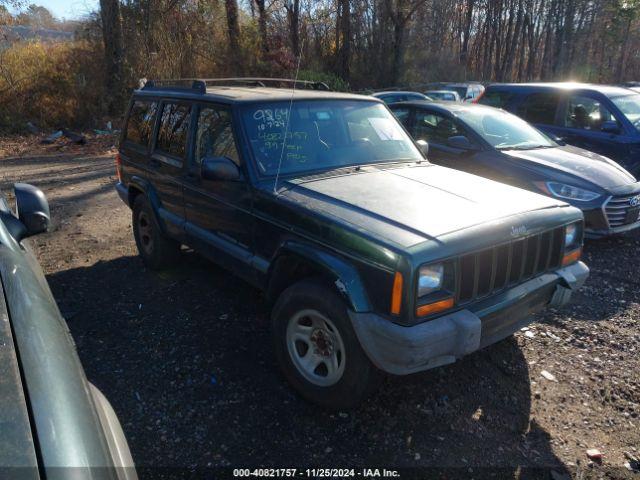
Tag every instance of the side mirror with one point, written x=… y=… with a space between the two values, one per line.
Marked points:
x=461 y=142
x=219 y=168
x=32 y=209
x=610 y=126
x=424 y=147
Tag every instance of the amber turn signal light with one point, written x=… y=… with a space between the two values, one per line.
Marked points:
x=396 y=294
x=571 y=257
x=435 y=307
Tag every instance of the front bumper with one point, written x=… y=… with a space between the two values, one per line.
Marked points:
x=597 y=225
x=402 y=350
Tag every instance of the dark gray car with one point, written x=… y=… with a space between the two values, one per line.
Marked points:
x=53 y=422
x=498 y=145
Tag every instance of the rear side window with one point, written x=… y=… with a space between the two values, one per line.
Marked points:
x=496 y=98
x=214 y=136
x=140 y=123
x=540 y=108
x=174 y=126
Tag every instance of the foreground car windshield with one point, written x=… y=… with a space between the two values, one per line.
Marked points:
x=629 y=105
x=323 y=135
x=505 y=131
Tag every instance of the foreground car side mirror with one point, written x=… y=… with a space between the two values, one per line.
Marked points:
x=32 y=209
x=219 y=168
x=461 y=142
x=610 y=126
x=424 y=147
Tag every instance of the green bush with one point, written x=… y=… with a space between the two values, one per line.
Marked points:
x=333 y=81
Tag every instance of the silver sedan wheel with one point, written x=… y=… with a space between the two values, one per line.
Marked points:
x=316 y=348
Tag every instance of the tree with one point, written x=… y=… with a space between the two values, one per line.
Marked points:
x=113 y=54
x=233 y=32
x=36 y=16
x=343 y=35
x=262 y=27
x=293 y=17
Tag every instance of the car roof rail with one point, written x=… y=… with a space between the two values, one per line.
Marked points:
x=200 y=85
x=178 y=84
x=267 y=82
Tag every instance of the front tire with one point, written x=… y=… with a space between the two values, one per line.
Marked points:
x=158 y=252
x=317 y=348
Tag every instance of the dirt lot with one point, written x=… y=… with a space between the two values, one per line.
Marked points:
x=185 y=359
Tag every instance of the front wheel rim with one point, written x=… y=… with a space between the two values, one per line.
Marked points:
x=316 y=348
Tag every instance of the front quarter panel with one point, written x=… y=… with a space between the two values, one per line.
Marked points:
x=68 y=429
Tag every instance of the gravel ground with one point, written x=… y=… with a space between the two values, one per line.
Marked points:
x=185 y=359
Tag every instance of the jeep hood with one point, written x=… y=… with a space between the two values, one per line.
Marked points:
x=412 y=201
x=578 y=162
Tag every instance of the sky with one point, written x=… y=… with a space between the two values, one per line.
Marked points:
x=68 y=9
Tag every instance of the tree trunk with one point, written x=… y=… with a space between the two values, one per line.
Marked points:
x=344 y=53
x=293 y=14
x=262 y=27
x=113 y=54
x=464 y=51
x=233 y=30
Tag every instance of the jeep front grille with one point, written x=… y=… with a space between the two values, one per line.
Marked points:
x=616 y=209
x=497 y=268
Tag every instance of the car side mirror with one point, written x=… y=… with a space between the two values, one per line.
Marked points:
x=424 y=147
x=461 y=142
x=219 y=168
x=610 y=126
x=32 y=209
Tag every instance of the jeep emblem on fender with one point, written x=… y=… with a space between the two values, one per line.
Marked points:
x=518 y=231
x=635 y=201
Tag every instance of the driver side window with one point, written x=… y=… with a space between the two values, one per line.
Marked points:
x=586 y=113
x=434 y=128
x=214 y=136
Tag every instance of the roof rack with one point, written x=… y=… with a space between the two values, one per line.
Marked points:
x=199 y=85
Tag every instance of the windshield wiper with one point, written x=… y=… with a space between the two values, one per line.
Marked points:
x=523 y=147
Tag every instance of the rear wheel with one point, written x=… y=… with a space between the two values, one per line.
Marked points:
x=317 y=348
x=157 y=251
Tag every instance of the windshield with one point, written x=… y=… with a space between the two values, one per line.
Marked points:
x=503 y=130
x=629 y=105
x=323 y=135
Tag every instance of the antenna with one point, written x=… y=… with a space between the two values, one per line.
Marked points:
x=286 y=126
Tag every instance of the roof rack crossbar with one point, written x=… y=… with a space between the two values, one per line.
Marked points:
x=200 y=84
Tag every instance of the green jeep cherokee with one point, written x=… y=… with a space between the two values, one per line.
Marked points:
x=375 y=259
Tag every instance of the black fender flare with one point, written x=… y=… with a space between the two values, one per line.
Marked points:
x=146 y=188
x=344 y=275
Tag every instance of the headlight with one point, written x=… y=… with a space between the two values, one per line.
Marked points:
x=572 y=236
x=569 y=192
x=430 y=278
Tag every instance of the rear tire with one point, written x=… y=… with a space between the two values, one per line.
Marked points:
x=158 y=252
x=317 y=348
